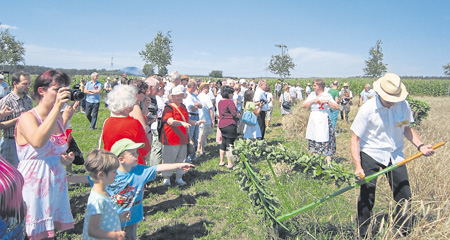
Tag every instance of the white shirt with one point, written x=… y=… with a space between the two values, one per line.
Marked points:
x=269 y=98
x=381 y=129
x=366 y=95
x=308 y=89
x=299 y=92
x=204 y=113
x=190 y=101
x=293 y=92
x=317 y=128
x=261 y=95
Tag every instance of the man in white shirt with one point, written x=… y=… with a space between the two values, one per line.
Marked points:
x=377 y=142
x=207 y=114
x=260 y=96
x=293 y=94
x=308 y=89
x=366 y=94
x=193 y=105
x=299 y=90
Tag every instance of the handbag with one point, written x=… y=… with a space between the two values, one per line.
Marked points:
x=190 y=145
x=286 y=105
x=249 y=118
x=73 y=147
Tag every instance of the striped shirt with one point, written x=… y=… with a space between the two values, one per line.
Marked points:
x=19 y=105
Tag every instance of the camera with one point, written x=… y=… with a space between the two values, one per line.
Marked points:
x=76 y=94
x=262 y=101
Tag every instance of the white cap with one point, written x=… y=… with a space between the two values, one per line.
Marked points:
x=1 y=76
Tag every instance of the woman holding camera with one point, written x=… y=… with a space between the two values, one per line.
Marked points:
x=41 y=139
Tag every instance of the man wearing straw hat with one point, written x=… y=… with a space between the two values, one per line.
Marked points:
x=377 y=142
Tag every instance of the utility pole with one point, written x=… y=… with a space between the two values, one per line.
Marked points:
x=282 y=46
x=112 y=66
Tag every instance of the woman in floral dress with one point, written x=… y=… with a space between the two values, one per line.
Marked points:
x=41 y=140
x=320 y=132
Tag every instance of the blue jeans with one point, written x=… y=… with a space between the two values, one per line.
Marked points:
x=9 y=151
x=193 y=134
x=92 y=112
x=334 y=114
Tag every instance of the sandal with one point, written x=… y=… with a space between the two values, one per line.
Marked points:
x=231 y=168
x=222 y=164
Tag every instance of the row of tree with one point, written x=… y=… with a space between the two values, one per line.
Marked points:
x=157 y=55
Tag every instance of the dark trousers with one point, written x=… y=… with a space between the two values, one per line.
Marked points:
x=398 y=180
x=92 y=112
x=262 y=123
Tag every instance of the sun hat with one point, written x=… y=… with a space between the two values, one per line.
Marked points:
x=202 y=86
x=390 y=88
x=309 y=84
x=345 y=85
x=242 y=81
x=177 y=91
x=125 y=144
x=184 y=77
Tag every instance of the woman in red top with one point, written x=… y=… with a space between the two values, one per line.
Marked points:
x=228 y=116
x=174 y=137
x=121 y=101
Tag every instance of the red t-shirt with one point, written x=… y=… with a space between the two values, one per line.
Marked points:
x=117 y=128
x=172 y=135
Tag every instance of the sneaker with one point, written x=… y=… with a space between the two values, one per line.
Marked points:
x=167 y=182
x=181 y=182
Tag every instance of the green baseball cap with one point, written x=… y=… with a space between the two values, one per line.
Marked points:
x=125 y=144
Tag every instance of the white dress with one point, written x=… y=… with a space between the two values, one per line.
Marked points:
x=317 y=129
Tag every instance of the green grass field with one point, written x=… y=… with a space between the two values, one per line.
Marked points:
x=212 y=206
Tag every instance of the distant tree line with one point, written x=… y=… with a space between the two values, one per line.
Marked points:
x=71 y=72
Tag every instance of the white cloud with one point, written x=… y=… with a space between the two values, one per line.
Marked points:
x=4 y=26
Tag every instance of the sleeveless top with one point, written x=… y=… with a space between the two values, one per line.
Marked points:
x=45 y=189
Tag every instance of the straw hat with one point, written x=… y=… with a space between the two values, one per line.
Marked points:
x=390 y=88
x=345 y=85
x=202 y=86
x=177 y=91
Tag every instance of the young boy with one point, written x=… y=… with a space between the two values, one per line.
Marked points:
x=101 y=220
x=128 y=185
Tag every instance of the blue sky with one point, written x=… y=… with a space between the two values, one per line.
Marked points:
x=325 y=38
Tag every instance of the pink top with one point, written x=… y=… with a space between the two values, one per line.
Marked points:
x=227 y=113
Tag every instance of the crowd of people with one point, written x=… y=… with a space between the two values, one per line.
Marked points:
x=162 y=125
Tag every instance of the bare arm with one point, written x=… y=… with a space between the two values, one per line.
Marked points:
x=414 y=138
x=95 y=231
x=29 y=130
x=355 y=151
x=138 y=115
x=173 y=166
x=8 y=123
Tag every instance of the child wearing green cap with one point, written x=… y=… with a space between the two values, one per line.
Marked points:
x=128 y=185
